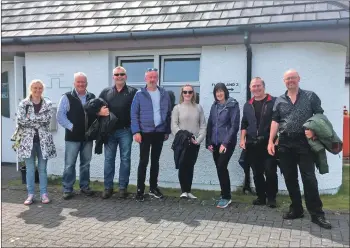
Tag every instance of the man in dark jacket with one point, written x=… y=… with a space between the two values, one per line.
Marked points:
x=76 y=121
x=119 y=98
x=290 y=112
x=255 y=132
x=150 y=125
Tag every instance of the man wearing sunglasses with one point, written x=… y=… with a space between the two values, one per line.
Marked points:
x=150 y=125
x=119 y=98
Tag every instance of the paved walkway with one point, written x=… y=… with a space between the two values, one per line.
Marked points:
x=171 y=222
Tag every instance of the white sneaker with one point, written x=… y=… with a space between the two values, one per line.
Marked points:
x=184 y=195
x=191 y=196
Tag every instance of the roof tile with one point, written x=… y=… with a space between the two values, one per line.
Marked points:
x=316 y=7
x=104 y=13
x=238 y=21
x=327 y=15
x=168 y=10
x=218 y=22
x=198 y=24
x=187 y=8
x=123 y=28
x=160 y=26
x=141 y=27
x=105 y=29
x=116 y=5
x=259 y=19
x=158 y=18
x=304 y=17
x=179 y=25
x=72 y=30
x=251 y=12
x=272 y=10
x=132 y=4
x=192 y=16
x=152 y=11
x=243 y=4
x=344 y=14
x=138 y=19
x=123 y=20
x=205 y=7
x=134 y=12
x=148 y=3
x=173 y=18
x=89 y=30
x=231 y=13
x=294 y=9
x=222 y=6
x=262 y=3
x=105 y=21
x=282 y=18
x=211 y=15
x=56 y=31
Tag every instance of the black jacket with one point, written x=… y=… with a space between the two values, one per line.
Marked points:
x=103 y=126
x=249 y=121
x=181 y=142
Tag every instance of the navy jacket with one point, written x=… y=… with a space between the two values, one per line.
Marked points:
x=223 y=125
x=249 y=121
x=142 y=112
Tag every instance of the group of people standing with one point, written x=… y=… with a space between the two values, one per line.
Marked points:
x=147 y=117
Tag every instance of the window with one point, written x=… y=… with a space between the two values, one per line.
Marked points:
x=5 y=95
x=180 y=69
x=135 y=68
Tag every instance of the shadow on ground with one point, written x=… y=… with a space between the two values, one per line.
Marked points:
x=167 y=211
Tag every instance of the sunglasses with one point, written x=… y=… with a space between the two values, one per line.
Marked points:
x=151 y=69
x=185 y=92
x=119 y=74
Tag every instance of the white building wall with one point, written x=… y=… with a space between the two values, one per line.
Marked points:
x=321 y=69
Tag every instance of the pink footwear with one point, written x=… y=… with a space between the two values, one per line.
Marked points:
x=29 y=200
x=45 y=199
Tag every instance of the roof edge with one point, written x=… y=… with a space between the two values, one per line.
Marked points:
x=78 y=38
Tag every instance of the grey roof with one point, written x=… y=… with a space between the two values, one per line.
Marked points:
x=47 y=18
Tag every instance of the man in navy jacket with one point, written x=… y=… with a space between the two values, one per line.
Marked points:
x=255 y=132
x=150 y=125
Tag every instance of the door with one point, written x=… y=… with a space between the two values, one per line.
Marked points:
x=12 y=89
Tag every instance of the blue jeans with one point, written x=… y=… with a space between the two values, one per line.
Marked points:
x=30 y=168
x=72 y=149
x=123 y=138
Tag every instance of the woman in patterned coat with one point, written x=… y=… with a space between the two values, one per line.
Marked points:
x=36 y=144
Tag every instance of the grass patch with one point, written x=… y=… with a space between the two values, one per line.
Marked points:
x=338 y=202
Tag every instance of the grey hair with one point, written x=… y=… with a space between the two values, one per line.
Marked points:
x=258 y=78
x=77 y=74
x=120 y=68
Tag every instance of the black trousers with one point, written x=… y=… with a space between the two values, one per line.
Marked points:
x=264 y=169
x=221 y=161
x=293 y=154
x=151 y=142
x=187 y=167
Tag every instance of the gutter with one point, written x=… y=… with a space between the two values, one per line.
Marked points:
x=169 y=33
x=249 y=62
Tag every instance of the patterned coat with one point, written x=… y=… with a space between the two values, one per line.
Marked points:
x=28 y=121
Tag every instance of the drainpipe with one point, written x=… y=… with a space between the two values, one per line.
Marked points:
x=249 y=62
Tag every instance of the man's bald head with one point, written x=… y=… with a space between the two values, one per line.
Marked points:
x=291 y=78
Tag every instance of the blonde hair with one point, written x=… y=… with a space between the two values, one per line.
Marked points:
x=193 y=99
x=35 y=81
x=119 y=68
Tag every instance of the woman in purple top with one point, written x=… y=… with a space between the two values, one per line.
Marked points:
x=36 y=143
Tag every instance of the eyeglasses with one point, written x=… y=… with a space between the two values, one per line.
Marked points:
x=151 y=69
x=290 y=78
x=185 y=92
x=119 y=74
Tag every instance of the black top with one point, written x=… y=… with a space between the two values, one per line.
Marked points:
x=291 y=117
x=37 y=107
x=258 y=109
x=76 y=114
x=119 y=103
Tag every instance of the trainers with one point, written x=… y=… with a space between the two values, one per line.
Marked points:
x=107 y=193
x=191 y=196
x=123 y=193
x=29 y=200
x=223 y=203
x=156 y=193
x=184 y=195
x=87 y=191
x=67 y=195
x=140 y=197
x=45 y=199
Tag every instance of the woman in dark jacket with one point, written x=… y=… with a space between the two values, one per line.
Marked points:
x=221 y=139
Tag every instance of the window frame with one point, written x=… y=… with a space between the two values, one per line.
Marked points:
x=119 y=59
x=178 y=56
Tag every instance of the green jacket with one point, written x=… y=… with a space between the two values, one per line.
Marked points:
x=327 y=139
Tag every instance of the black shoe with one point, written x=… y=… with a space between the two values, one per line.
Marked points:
x=271 y=203
x=259 y=202
x=291 y=215
x=123 y=193
x=321 y=221
x=87 y=192
x=67 y=195
x=247 y=189
x=107 y=193
x=140 y=197
x=156 y=193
